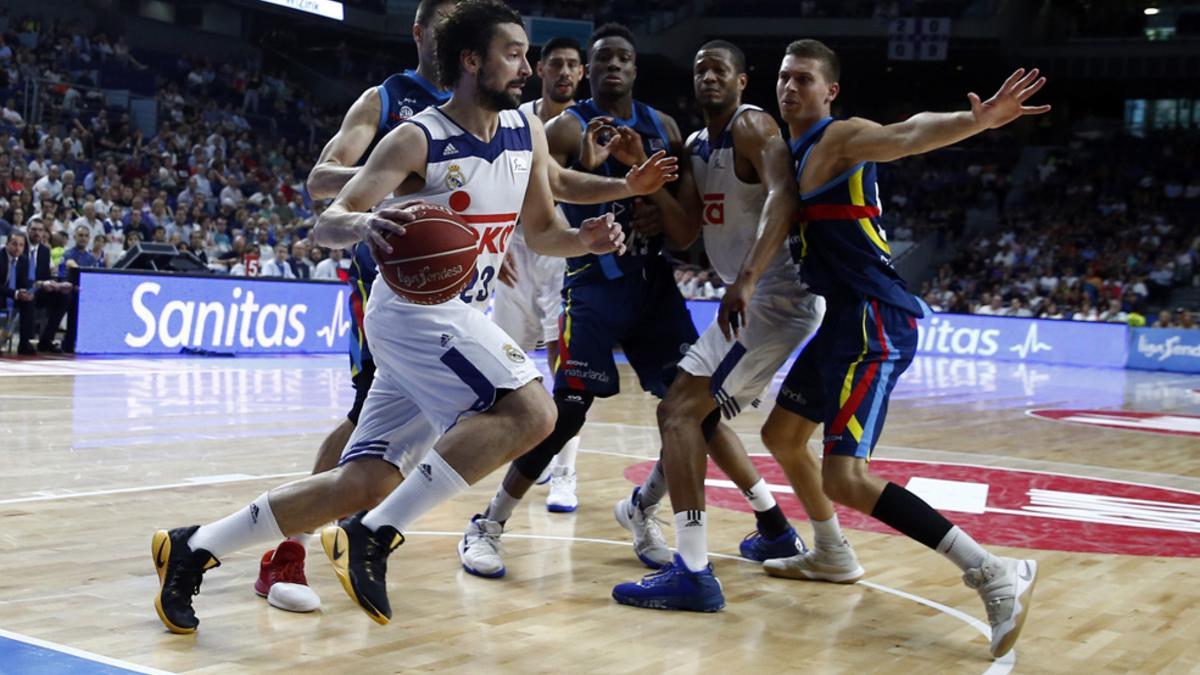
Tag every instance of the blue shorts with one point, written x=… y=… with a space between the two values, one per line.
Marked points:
x=846 y=373
x=642 y=312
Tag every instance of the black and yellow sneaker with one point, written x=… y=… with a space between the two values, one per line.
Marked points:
x=359 y=558
x=180 y=570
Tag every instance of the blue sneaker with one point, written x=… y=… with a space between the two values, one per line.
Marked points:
x=759 y=548
x=674 y=587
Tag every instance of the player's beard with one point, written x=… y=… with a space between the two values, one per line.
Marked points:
x=498 y=99
x=560 y=97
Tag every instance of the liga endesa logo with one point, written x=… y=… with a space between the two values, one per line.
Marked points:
x=1008 y=507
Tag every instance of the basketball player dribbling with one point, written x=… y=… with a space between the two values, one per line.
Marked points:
x=447 y=377
x=869 y=334
x=742 y=167
x=527 y=307
x=377 y=111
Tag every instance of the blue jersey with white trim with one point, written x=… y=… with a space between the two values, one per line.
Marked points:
x=639 y=248
x=838 y=242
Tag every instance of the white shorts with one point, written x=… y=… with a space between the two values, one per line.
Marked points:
x=781 y=318
x=435 y=365
x=529 y=312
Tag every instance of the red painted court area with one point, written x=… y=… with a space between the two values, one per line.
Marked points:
x=1011 y=508
x=1170 y=424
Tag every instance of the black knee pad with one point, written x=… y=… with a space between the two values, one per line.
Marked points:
x=572 y=411
x=709 y=426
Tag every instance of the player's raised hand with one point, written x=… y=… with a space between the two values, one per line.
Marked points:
x=731 y=317
x=626 y=147
x=1009 y=103
x=593 y=148
x=649 y=176
x=602 y=235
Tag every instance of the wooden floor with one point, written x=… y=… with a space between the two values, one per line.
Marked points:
x=97 y=454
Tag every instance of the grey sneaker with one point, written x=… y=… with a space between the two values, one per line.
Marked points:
x=836 y=564
x=1006 y=587
x=648 y=541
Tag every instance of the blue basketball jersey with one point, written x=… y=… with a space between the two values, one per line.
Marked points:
x=838 y=242
x=593 y=268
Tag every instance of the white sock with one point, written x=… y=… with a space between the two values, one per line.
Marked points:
x=253 y=524
x=417 y=495
x=759 y=496
x=502 y=505
x=564 y=462
x=828 y=532
x=654 y=488
x=303 y=538
x=691 y=538
x=962 y=550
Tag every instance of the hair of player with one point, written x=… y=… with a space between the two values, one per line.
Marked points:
x=815 y=49
x=427 y=10
x=469 y=27
x=556 y=43
x=611 y=29
x=739 y=57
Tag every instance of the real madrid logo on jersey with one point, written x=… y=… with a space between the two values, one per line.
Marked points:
x=454 y=177
x=515 y=355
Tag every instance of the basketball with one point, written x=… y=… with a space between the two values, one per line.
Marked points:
x=433 y=260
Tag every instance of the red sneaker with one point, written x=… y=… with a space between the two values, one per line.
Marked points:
x=281 y=579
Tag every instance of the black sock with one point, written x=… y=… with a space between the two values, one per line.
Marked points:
x=772 y=523
x=908 y=513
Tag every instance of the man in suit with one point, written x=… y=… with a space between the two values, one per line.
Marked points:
x=49 y=293
x=16 y=290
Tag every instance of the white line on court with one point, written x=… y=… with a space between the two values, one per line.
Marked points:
x=81 y=653
x=194 y=482
x=1000 y=666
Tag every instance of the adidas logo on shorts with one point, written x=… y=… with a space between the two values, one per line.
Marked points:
x=426 y=471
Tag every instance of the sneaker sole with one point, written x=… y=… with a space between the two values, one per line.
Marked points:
x=663 y=605
x=560 y=508
x=160 y=549
x=829 y=577
x=330 y=537
x=1026 y=599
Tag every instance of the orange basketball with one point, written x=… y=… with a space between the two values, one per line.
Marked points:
x=433 y=260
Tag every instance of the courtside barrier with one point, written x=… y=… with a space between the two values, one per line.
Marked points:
x=131 y=312
x=1076 y=343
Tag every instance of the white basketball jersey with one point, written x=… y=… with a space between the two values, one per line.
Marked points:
x=483 y=182
x=731 y=207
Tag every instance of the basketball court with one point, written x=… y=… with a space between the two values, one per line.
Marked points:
x=1047 y=462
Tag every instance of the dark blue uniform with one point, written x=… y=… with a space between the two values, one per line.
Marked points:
x=869 y=334
x=401 y=96
x=629 y=299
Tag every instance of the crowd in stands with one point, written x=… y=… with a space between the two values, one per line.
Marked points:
x=1105 y=232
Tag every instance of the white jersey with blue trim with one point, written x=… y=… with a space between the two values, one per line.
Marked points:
x=731 y=206
x=484 y=182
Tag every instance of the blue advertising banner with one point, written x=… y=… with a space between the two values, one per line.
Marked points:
x=132 y=313
x=1074 y=343
x=1165 y=349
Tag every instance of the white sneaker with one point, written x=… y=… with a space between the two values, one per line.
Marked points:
x=479 y=549
x=836 y=564
x=648 y=541
x=1006 y=587
x=562 y=497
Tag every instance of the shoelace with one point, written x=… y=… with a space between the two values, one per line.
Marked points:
x=652 y=522
x=492 y=541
